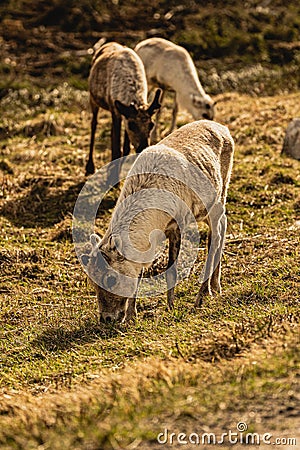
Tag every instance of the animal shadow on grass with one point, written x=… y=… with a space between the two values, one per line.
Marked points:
x=46 y=202
x=60 y=339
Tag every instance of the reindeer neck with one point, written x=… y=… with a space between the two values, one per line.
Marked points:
x=147 y=227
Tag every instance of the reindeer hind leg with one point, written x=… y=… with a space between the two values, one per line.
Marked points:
x=216 y=238
x=171 y=273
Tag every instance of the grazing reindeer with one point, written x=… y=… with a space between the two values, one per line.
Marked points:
x=117 y=83
x=192 y=164
x=170 y=66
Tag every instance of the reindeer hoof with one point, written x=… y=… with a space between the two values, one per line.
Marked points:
x=170 y=304
x=129 y=319
x=198 y=301
x=216 y=291
x=89 y=169
x=203 y=293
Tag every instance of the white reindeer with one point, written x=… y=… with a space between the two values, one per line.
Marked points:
x=117 y=83
x=170 y=66
x=192 y=165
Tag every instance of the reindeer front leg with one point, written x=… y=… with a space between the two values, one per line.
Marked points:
x=153 y=134
x=174 y=114
x=90 y=167
x=131 y=312
x=115 y=148
x=116 y=136
x=171 y=273
x=126 y=144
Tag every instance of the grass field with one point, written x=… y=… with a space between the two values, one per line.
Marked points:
x=69 y=382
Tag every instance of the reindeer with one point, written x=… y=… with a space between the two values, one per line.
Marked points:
x=117 y=83
x=170 y=66
x=191 y=166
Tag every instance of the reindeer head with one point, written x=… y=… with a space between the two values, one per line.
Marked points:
x=202 y=107
x=138 y=121
x=114 y=278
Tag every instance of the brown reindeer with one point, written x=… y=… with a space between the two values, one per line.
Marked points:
x=117 y=83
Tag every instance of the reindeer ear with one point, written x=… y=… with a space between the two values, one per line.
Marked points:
x=115 y=243
x=129 y=112
x=155 y=105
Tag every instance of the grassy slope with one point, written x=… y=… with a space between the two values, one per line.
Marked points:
x=96 y=385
